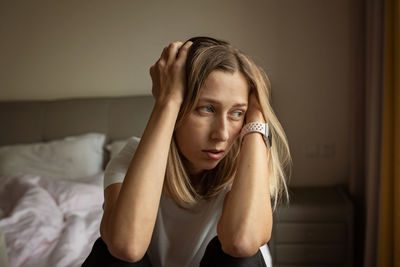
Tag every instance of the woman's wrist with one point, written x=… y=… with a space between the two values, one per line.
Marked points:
x=170 y=102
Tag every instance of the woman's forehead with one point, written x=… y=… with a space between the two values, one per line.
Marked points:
x=226 y=87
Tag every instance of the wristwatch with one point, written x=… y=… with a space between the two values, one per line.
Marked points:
x=258 y=127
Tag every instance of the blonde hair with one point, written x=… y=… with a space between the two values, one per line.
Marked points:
x=204 y=56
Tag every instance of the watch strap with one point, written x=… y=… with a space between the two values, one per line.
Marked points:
x=258 y=127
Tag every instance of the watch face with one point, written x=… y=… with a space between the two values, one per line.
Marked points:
x=269 y=140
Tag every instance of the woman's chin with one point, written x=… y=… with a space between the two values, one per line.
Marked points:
x=210 y=166
x=204 y=165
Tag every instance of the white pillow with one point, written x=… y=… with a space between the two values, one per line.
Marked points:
x=116 y=146
x=69 y=158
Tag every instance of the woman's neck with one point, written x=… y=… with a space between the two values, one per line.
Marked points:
x=196 y=179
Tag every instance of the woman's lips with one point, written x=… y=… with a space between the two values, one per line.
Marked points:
x=213 y=154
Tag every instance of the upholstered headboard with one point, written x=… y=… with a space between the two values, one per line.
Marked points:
x=37 y=121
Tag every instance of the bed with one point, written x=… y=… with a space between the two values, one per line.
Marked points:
x=52 y=160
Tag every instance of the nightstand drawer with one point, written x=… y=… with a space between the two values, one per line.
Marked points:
x=310 y=233
x=310 y=254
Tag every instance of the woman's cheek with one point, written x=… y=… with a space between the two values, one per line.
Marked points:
x=236 y=131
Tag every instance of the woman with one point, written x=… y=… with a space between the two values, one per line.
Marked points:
x=198 y=188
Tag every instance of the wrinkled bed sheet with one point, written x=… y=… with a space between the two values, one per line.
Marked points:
x=48 y=222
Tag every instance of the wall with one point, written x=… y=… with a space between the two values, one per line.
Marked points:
x=64 y=49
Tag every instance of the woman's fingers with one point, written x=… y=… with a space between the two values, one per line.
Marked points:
x=169 y=52
x=254 y=111
x=168 y=73
x=253 y=101
x=176 y=51
x=183 y=51
x=163 y=57
x=173 y=49
x=168 y=56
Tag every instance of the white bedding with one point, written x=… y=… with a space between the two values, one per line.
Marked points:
x=50 y=222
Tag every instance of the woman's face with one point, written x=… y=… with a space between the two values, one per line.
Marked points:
x=208 y=132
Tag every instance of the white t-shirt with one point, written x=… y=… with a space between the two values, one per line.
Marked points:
x=180 y=236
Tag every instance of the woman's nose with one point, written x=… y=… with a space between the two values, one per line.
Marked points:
x=220 y=130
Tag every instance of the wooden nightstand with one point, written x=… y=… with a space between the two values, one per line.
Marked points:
x=315 y=229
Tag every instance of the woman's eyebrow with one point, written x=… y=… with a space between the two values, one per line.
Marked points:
x=240 y=105
x=212 y=101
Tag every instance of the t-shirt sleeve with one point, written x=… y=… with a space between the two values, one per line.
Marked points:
x=117 y=167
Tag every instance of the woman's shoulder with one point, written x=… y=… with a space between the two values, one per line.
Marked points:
x=123 y=150
x=118 y=165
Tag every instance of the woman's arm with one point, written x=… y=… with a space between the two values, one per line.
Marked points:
x=131 y=208
x=246 y=221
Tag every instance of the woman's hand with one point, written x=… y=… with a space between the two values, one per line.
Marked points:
x=168 y=74
x=254 y=113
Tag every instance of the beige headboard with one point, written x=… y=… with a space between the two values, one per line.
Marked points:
x=37 y=121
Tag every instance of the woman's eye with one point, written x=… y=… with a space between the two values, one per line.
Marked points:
x=206 y=109
x=238 y=113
